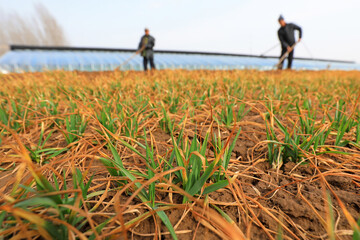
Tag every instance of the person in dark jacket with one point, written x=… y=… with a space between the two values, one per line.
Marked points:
x=286 y=35
x=146 y=45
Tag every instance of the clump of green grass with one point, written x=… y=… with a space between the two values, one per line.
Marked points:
x=12 y=114
x=116 y=168
x=47 y=210
x=39 y=153
x=230 y=115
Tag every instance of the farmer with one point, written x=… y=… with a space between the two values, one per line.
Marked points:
x=146 y=45
x=286 y=35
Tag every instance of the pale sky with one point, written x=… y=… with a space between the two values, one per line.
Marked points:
x=330 y=27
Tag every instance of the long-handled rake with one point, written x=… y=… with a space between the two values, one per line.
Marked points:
x=285 y=55
x=131 y=57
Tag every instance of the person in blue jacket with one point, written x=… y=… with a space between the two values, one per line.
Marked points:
x=146 y=45
x=286 y=34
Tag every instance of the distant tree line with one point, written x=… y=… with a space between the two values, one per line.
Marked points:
x=41 y=30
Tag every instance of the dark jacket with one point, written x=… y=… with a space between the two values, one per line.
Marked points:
x=149 y=42
x=287 y=34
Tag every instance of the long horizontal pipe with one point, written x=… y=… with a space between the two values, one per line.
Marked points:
x=60 y=48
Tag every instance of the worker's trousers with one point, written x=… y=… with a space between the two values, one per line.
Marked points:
x=289 y=58
x=147 y=60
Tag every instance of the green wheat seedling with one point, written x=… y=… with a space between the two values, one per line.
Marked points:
x=275 y=148
x=199 y=175
x=340 y=114
x=228 y=115
x=114 y=165
x=75 y=127
x=131 y=127
x=116 y=168
x=198 y=100
x=41 y=155
x=106 y=119
x=357 y=133
x=4 y=116
x=344 y=127
x=50 y=108
x=294 y=146
x=324 y=100
x=237 y=90
x=330 y=218
x=132 y=119
x=13 y=114
x=307 y=122
x=341 y=123
x=191 y=156
x=30 y=205
x=166 y=123
x=172 y=102
x=225 y=158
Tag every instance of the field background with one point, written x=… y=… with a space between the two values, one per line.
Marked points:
x=180 y=154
